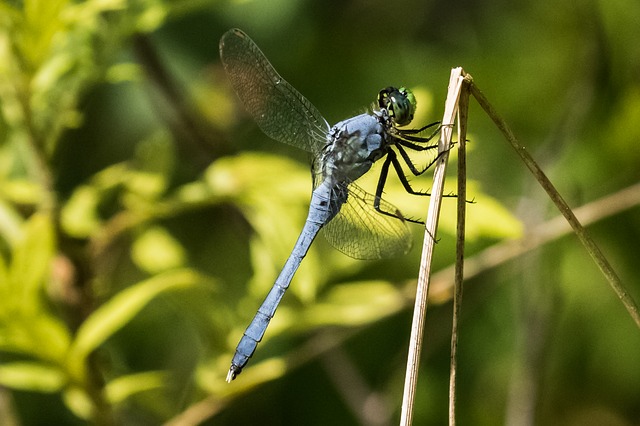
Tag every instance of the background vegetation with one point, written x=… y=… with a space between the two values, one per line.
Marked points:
x=143 y=216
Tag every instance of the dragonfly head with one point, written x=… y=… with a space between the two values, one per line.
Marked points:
x=400 y=103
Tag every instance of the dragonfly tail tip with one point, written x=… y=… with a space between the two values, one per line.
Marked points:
x=233 y=372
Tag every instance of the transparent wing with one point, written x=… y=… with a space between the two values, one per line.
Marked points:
x=361 y=232
x=279 y=110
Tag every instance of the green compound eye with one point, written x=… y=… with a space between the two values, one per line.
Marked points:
x=400 y=103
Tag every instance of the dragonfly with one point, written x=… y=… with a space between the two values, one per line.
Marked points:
x=359 y=224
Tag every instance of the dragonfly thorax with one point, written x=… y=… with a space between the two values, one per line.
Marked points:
x=353 y=145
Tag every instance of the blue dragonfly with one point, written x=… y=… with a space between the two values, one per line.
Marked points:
x=357 y=223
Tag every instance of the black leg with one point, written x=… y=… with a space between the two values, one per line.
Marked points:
x=392 y=158
x=421 y=129
x=400 y=172
x=414 y=146
x=382 y=180
x=418 y=139
x=412 y=166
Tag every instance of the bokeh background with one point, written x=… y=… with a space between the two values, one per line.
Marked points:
x=143 y=215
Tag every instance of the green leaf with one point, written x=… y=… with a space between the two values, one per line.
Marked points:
x=39 y=335
x=120 y=389
x=79 y=217
x=124 y=72
x=27 y=326
x=5 y=288
x=10 y=221
x=276 y=209
x=32 y=376
x=78 y=402
x=156 y=251
x=22 y=191
x=118 y=311
x=486 y=217
x=354 y=304
x=31 y=261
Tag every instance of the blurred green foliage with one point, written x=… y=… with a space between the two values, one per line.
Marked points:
x=143 y=216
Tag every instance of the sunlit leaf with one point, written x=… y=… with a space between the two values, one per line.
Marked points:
x=247 y=175
x=152 y=17
x=156 y=250
x=118 y=390
x=111 y=176
x=354 y=304
x=22 y=191
x=37 y=334
x=121 y=309
x=31 y=260
x=123 y=72
x=486 y=217
x=78 y=402
x=79 y=215
x=154 y=163
x=211 y=379
x=273 y=193
x=31 y=376
x=5 y=288
x=39 y=28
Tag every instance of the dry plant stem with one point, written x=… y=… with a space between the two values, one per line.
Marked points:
x=420 y=307
x=463 y=110
x=551 y=230
x=566 y=211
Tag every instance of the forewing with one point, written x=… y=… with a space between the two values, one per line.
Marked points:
x=361 y=232
x=279 y=110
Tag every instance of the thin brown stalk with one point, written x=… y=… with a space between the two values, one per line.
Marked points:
x=591 y=247
x=420 y=307
x=463 y=110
